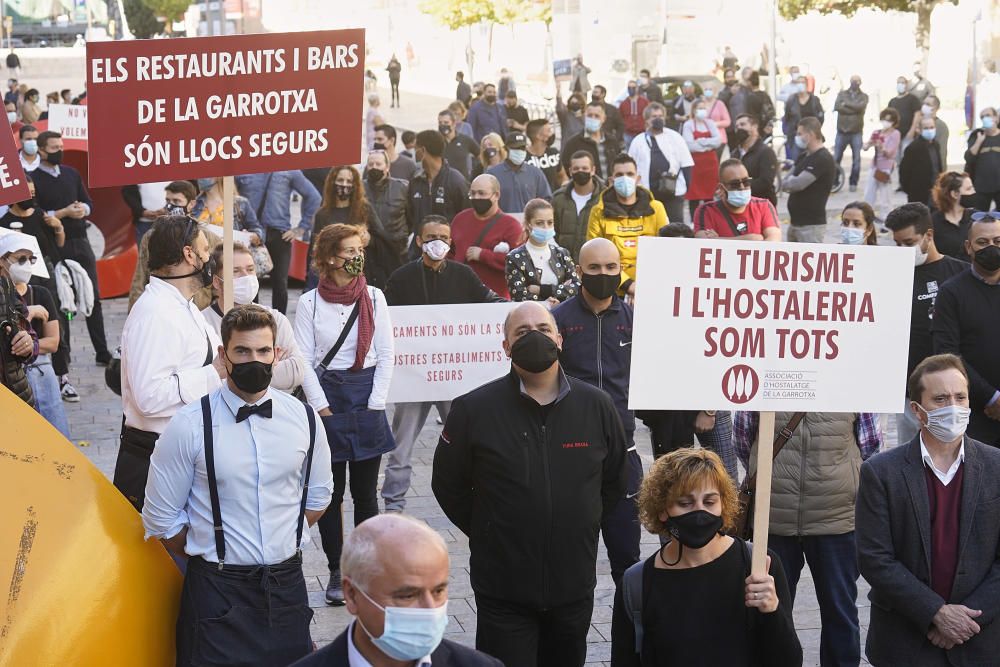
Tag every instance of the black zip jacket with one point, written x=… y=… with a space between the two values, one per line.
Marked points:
x=416 y=284
x=597 y=348
x=530 y=488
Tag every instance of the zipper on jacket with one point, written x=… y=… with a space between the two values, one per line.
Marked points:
x=600 y=366
x=548 y=516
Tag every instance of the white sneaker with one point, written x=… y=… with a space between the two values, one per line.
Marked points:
x=69 y=393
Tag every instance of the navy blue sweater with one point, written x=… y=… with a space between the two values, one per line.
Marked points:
x=53 y=193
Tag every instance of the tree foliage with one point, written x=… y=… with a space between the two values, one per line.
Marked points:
x=457 y=14
x=141 y=20
x=172 y=10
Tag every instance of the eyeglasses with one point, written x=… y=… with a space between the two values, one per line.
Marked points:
x=739 y=184
x=26 y=260
x=979 y=216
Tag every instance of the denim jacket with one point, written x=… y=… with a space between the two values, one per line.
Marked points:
x=271 y=195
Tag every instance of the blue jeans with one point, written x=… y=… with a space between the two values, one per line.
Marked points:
x=48 y=399
x=853 y=140
x=834 y=566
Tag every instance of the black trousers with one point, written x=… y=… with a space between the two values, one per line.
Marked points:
x=669 y=429
x=364 y=493
x=243 y=615
x=394 y=85
x=132 y=466
x=281 y=255
x=529 y=637
x=620 y=528
x=60 y=358
x=79 y=250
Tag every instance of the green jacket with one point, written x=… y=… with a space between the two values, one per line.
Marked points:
x=571 y=228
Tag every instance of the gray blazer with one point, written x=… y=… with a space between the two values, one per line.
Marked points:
x=893 y=532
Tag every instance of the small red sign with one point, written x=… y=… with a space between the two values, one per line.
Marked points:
x=166 y=109
x=13 y=184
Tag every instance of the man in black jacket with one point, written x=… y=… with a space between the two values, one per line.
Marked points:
x=596 y=327
x=527 y=466
x=614 y=123
x=921 y=164
x=603 y=147
x=429 y=280
x=437 y=187
x=756 y=156
x=394 y=565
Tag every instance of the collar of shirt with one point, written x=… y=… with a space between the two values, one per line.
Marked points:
x=235 y=402
x=166 y=288
x=563 y=386
x=49 y=169
x=949 y=475
x=978 y=276
x=355 y=659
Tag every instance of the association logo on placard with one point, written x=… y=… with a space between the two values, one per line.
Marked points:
x=740 y=383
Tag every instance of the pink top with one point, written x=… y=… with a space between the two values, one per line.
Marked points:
x=885 y=154
x=720 y=114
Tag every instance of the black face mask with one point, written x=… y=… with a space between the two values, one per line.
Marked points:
x=601 y=285
x=490 y=153
x=988 y=258
x=574 y=106
x=741 y=135
x=551 y=140
x=581 y=178
x=252 y=376
x=444 y=129
x=657 y=124
x=967 y=201
x=26 y=204
x=174 y=209
x=55 y=157
x=534 y=352
x=205 y=272
x=481 y=206
x=343 y=191
x=490 y=99
x=378 y=146
x=693 y=530
x=375 y=176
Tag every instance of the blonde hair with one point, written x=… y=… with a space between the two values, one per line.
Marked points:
x=678 y=473
x=501 y=148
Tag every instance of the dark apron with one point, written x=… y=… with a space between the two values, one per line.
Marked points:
x=244 y=615
x=354 y=432
x=132 y=466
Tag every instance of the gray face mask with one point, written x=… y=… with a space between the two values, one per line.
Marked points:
x=947 y=424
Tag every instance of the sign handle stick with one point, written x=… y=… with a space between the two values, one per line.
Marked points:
x=228 y=193
x=762 y=494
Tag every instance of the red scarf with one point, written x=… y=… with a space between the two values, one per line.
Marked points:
x=346 y=296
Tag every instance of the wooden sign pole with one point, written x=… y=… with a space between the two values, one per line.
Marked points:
x=228 y=193
x=762 y=494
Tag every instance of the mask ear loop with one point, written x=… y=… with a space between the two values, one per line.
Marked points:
x=680 y=551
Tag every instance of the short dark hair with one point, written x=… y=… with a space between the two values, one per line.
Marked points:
x=644 y=71
x=431 y=141
x=447 y=112
x=603 y=89
x=891 y=114
x=25 y=129
x=584 y=154
x=388 y=130
x=933 y=364
x=677 y=230
x=218 y=252
x=489 y=85
x=247 y=317
x=432 y=219
x=914 y=215
x=511 y=93
x=622 y=158
x=750 y=117
x=727 y=163
x=596 y=105
x=64 y=91
x=534 y=127
x=43 y=137
x=168 y=238
x=408 y=136
x=460 y=74
x=812 y=125
x=185 y=188
x=754 y=79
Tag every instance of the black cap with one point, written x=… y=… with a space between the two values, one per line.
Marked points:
x=516 y=140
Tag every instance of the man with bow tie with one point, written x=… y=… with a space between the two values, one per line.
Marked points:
x=232 y=481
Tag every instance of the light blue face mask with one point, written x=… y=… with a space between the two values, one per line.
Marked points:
x=738 y=198
x=409 y=633
x=517 y=156
x=801 y=142
x=29 y=146
x=540 y=235
x=852 y=236
x=592 y=125
x=928 y=135
x=625 y=186
x=987 y=122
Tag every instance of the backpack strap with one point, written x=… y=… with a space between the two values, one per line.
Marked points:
x=633 y=583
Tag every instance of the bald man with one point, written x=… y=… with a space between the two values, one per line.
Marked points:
x=597 y=320
x=528 y=466
x=483 y=234
x=393 y=567
x=966 y=319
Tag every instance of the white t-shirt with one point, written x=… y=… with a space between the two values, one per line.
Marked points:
x=540 y=258
x=580 y=200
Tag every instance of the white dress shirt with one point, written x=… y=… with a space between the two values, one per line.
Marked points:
x=288 y=372
x=674 y=149
x=259 y=468
x=355 y=659
x=949 y=474
x=164 y=345
x=29 y=166
x=318 y=324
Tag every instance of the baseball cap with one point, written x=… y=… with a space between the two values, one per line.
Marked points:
x=516 y=140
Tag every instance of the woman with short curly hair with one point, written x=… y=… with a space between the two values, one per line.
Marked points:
x=698 y=604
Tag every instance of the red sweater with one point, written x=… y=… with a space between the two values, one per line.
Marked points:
x=465 y=229
x=945 y=502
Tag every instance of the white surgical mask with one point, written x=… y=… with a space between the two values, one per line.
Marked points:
x=947 y=424
x=19 y=273
x=436 y=249
x=926 y=110
x=11 y=116
x=701 y=114
x=245 y=288
x=887 y=125
x=852 y=236
x=920 y=256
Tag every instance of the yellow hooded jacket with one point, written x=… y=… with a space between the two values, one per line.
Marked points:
x=610 y=220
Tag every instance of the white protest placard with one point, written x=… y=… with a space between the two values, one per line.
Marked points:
x=723 y=324
x=69 y=120
x=444 y=351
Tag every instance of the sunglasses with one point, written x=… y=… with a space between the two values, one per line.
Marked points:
x=979 y=216
x=740 y=184
x=25 y=260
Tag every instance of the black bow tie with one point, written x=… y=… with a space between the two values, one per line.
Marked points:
x=263 y=409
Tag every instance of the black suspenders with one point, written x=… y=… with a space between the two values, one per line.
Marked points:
x=213 y=487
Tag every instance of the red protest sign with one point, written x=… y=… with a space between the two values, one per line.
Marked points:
x=169 y=109
x=13 y=184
